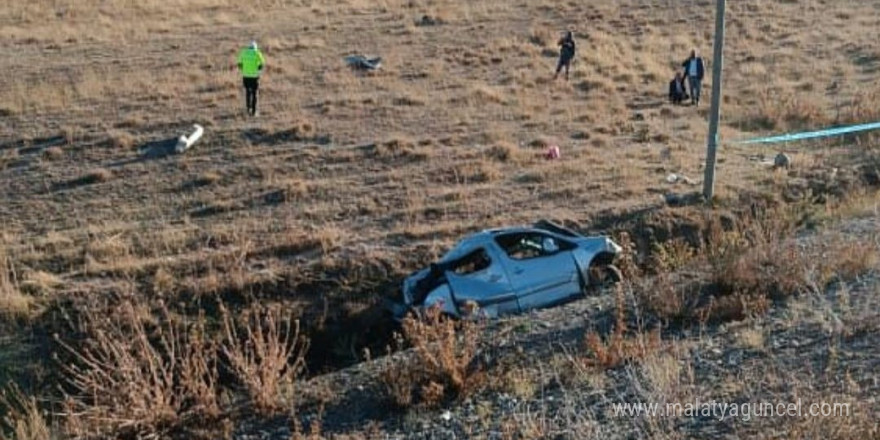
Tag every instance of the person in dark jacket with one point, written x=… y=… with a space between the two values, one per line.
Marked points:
x=677 y=91
x=566 y=54
x=693 y=71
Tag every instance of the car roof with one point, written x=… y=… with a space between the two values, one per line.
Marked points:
x=468 y=243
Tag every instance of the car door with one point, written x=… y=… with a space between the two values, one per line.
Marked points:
x=541 y=268
x=479 y=277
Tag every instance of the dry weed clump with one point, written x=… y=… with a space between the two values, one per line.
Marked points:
x=23 y=419
x=760 y=256
x=265 y=351
x=476 y=172
x=672 y=255
x=131 y=376
x=860 y=109
x=303 y=130
x=748 y=265
x=443 y=363
x=754 y=263
x=53 y=153
x=13 y=302
x=205 y=179
x=627 y=261
x=620 y=347
x=95 y=176
x=121 y=140
x=40 y=283
x=137 y=373
x=785 y=112
x=505 y=152
x=398 y=148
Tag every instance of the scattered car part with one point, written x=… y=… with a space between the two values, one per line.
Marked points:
x=185 y=142
x=362 y=62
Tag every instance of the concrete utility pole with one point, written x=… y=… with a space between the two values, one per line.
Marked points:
x=715 y=111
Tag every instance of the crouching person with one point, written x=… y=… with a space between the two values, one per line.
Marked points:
x=677 y=90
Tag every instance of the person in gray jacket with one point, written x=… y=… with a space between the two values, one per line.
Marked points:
x=694 y=69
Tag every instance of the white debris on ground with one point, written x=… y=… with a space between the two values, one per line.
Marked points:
x=680 y=178
x=185 y=142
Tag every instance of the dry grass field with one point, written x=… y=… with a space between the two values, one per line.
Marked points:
x=117 y=255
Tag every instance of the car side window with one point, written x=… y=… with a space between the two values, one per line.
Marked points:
x=471 y=263
x=527 y=245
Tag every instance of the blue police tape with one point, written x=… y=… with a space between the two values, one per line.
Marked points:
x=811 y=134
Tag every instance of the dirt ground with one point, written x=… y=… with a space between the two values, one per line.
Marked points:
x=347 y=181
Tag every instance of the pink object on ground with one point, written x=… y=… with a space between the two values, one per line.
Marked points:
x=553 y=152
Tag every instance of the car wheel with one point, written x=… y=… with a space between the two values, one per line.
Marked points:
x=604 y=276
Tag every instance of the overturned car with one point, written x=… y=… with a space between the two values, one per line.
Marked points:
x=511 y=270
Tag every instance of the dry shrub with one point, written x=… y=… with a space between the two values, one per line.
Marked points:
x=479 y=171
x=265 y=351
x=95 y=176
x=734 y=307
x=53 y=153
x=409 y=100
x=862 y=108
x=23 y=419
x=398 y=148
x=620 y=347
x=844 y=260
x=40 y=283
x=296 y=189
x=505 y=152
x=626 y=261
x=328 y=237
x=785 y=112
x=542 y=37
x=748 y=265
x=541 y=143
x=163 y=281
x=304 y=130
x=667 y=298
x=750 y=258
x=754 y=263
x=484 y=94
x=13 y=303
x=443 y=363
x=671 y=255
x=206 y=178
x=131 y=376
x=774 y=270
x=121 y=140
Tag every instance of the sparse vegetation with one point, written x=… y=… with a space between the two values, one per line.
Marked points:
x=53 y=153
x=620 y=346
x=128 y=378
x=443 y=363
x=23 y=419
x=13 y=303
x=348 y=182
x=121 y=140
x=266 y=353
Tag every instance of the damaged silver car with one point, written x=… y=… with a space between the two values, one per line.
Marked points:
x=511 y=270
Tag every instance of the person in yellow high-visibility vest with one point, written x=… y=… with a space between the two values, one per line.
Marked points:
x=250 y=63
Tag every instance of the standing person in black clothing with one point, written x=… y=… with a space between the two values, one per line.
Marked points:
x=566 y=54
